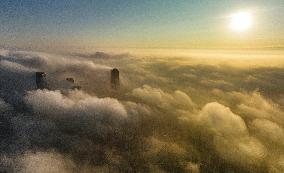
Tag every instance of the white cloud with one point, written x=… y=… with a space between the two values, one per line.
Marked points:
x=269 y=131
x=158 y=98
x=230 y=136
x=45 y=162
x=55 y=103
x=221 y=121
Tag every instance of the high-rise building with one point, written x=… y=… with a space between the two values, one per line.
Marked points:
x=114 y=79
x=40 y=80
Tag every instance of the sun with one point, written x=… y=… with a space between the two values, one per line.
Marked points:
x=241 y=21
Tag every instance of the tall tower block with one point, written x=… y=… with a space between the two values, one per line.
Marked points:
x=114 y=79
x=40 y=80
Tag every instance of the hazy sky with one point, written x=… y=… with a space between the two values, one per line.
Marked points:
x=67 y=24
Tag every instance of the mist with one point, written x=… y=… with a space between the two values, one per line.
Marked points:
x=195 y=112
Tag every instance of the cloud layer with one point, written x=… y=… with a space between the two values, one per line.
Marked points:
x=171 y=114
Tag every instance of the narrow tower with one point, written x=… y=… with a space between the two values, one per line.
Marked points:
x=114 y=79
x=40 y=80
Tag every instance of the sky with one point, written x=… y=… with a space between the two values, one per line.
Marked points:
x=195 y=94
x=89 y=24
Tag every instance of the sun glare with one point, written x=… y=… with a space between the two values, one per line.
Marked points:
x=240 y=21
